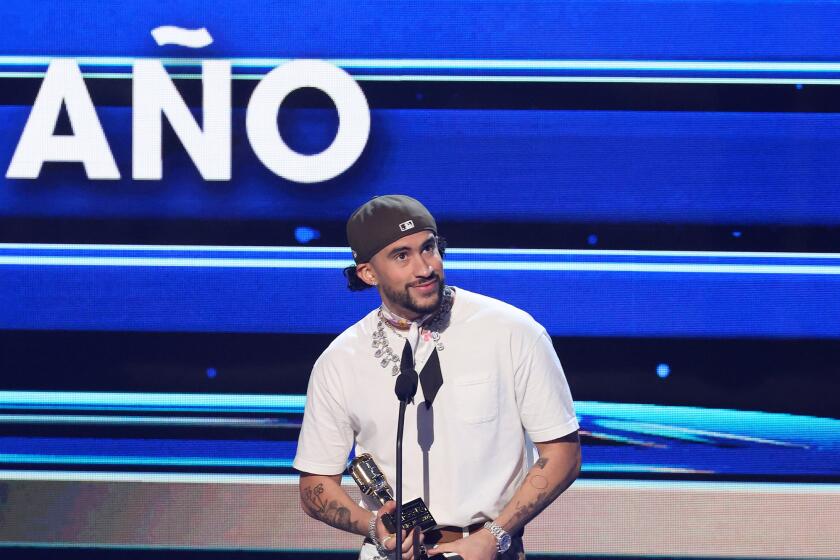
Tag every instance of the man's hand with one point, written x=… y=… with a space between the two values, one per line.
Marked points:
x=389 y=540
x=481 y=545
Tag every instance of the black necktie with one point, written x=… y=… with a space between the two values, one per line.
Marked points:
x=431 y=378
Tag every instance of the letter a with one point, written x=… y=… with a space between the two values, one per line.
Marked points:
x=63 y=83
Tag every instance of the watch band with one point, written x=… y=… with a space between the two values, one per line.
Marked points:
x=380 y=548
x=502 y=537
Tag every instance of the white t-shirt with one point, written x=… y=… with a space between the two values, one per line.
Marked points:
x=467 y=455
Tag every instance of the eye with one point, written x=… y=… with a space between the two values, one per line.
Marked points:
x=401 y=256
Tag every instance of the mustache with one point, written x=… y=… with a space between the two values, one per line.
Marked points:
x=426 y=280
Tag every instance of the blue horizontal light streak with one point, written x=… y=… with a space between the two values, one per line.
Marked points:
x=703 y=486
x=633 y=468
x=174 y=262
x=449 y=251
x=191 y=421
x=476 y=78
x=570 y=79
x=147 y=452
x=292 y=480
x=299 y=258
x=147 y=461
x=151 y=401
x=173 y=248
x=294 y=404
x=689 y=434
x=461 y=64
x=180 y=478
x=642 y=267
x=480 y=70
x=694 y=268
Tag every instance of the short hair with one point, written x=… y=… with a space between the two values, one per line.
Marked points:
x=356 y=284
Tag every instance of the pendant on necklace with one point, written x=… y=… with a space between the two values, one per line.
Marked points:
x=386 y=355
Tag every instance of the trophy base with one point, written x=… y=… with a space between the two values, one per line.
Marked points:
x=414 y=514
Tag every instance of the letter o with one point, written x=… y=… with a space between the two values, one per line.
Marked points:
x=353 y=121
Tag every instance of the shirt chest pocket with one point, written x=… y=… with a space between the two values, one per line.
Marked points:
x=476 y=398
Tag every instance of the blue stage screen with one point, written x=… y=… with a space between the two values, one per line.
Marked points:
x=655 y=182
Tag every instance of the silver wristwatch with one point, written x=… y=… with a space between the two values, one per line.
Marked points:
x=502 y=537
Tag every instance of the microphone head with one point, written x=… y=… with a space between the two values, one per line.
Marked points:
x=406 y=385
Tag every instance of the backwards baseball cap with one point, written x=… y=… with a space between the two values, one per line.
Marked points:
x=382 y=220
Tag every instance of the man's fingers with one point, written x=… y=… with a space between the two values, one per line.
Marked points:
x=408 y=539
x=390 y=541
x=387 y=509
x=386 y=541
x=438 y=549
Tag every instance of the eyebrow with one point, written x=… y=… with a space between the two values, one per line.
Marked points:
x=402 y=248
x=396 y=250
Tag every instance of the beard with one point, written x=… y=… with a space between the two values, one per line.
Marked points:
x=423 y=306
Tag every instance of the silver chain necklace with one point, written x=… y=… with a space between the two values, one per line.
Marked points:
x=382 y=349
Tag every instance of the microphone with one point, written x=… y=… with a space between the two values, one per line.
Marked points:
x=406 y=384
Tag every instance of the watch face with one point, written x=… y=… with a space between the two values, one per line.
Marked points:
x=504 y=543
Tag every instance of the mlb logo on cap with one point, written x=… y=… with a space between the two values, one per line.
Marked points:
x=405 y=226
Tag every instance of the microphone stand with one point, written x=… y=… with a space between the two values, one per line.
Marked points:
x=405 y=389
x=400 y=426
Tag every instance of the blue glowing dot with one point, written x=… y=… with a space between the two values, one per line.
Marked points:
x=592 y=239
x=798 y=86
x=663 y=370
x=305 y=234
x=211 y=373
x=736 y=234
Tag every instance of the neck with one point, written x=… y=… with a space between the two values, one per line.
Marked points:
x=399 y=321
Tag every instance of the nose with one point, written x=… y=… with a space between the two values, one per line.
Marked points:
x=423 y=268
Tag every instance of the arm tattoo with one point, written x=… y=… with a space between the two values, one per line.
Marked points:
x=538 y=482
x=526 y=512
x=330 y=512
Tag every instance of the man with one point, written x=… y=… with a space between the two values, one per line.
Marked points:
x=490 y=382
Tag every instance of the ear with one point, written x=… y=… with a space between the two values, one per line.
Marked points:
x=366 y=274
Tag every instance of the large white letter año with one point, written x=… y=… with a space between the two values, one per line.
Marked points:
x=353 y=121
x=155 y=95
x=63 y=84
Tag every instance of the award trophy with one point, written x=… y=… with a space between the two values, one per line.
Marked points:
x=371 y=481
